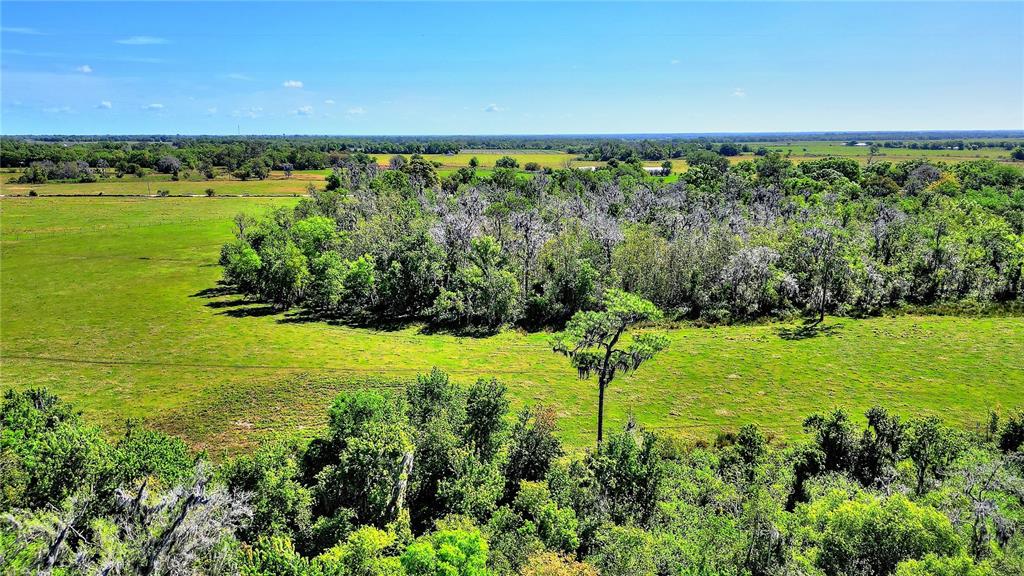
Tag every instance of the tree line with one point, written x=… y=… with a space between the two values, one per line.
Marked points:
x=320 y=152
x=722 y=243
x=444 y=479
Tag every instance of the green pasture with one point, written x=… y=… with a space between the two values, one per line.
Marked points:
x=276 y=185
x=114 y=304
x=816 y=149
x=487 y=158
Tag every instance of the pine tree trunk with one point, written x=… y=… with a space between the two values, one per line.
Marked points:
x=600 y=413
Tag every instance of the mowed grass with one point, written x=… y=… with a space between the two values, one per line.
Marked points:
x=113 y=304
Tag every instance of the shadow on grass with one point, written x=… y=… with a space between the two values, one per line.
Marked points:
x=459 y=331
x=221 y=289
x=241 y=307
x=305 y=315
x=238 y=307
x=217 y=304
x=809 y=329
x=250 y=311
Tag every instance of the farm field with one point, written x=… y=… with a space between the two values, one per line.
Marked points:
x=113 y=303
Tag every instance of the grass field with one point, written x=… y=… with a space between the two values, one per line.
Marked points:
x=487 y=158
x=113 y=303
x=816 y=149
x=275 y=185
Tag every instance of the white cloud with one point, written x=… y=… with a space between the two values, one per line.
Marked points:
x=58 y=110
x=105 y=105
x=674 y=62
x=304 y=111
x=251 y=112
x=155 y=107
x=211 y=110
x=292 y=84
x=493 y=108
x=356 y=110
x=141 y=40
x=239 y=76
x=739 y=93
x=21 y=30
x=329 y=102
x=84 y=69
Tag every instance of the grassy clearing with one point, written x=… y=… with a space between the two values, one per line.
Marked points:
x=816 y=149
x=487 y=158
x=111 y=302
x=276 y=185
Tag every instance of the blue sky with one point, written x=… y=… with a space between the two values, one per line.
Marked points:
x=468 y=68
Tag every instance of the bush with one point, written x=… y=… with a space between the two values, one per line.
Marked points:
x=1011 y=437
x=872 y=535
x=447 y=553
x=932 y=565
x=506 y=162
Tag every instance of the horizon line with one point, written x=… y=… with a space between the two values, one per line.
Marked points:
x=1016 y=132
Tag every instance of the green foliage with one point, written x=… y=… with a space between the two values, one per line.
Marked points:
x=506 y=162
x=591 y=341
x=486 y=407
x=436 y=462
x=51 y=454
x=366 y=456
x=447 y=553
x=281 y=504
x=533 y=448
x=932 y=565
x=627 y=477
x=285 y=276
x=932 y=448
x=333 y=181
x=142 y=452
x=1011 y=436
x=874 y=534
x=825 y=236
x=625 y=551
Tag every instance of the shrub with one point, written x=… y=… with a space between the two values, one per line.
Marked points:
x=932 y=565
x=447 y=553
x=872 y=535
x=1011 y=437
x=506 y=162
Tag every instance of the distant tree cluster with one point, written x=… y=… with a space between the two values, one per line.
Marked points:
x=201 y=153
x=44 y=171
x=723 y=243
x=442 y=479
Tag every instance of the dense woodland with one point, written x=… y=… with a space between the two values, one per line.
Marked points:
x=723 y=243
x=440 y=479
